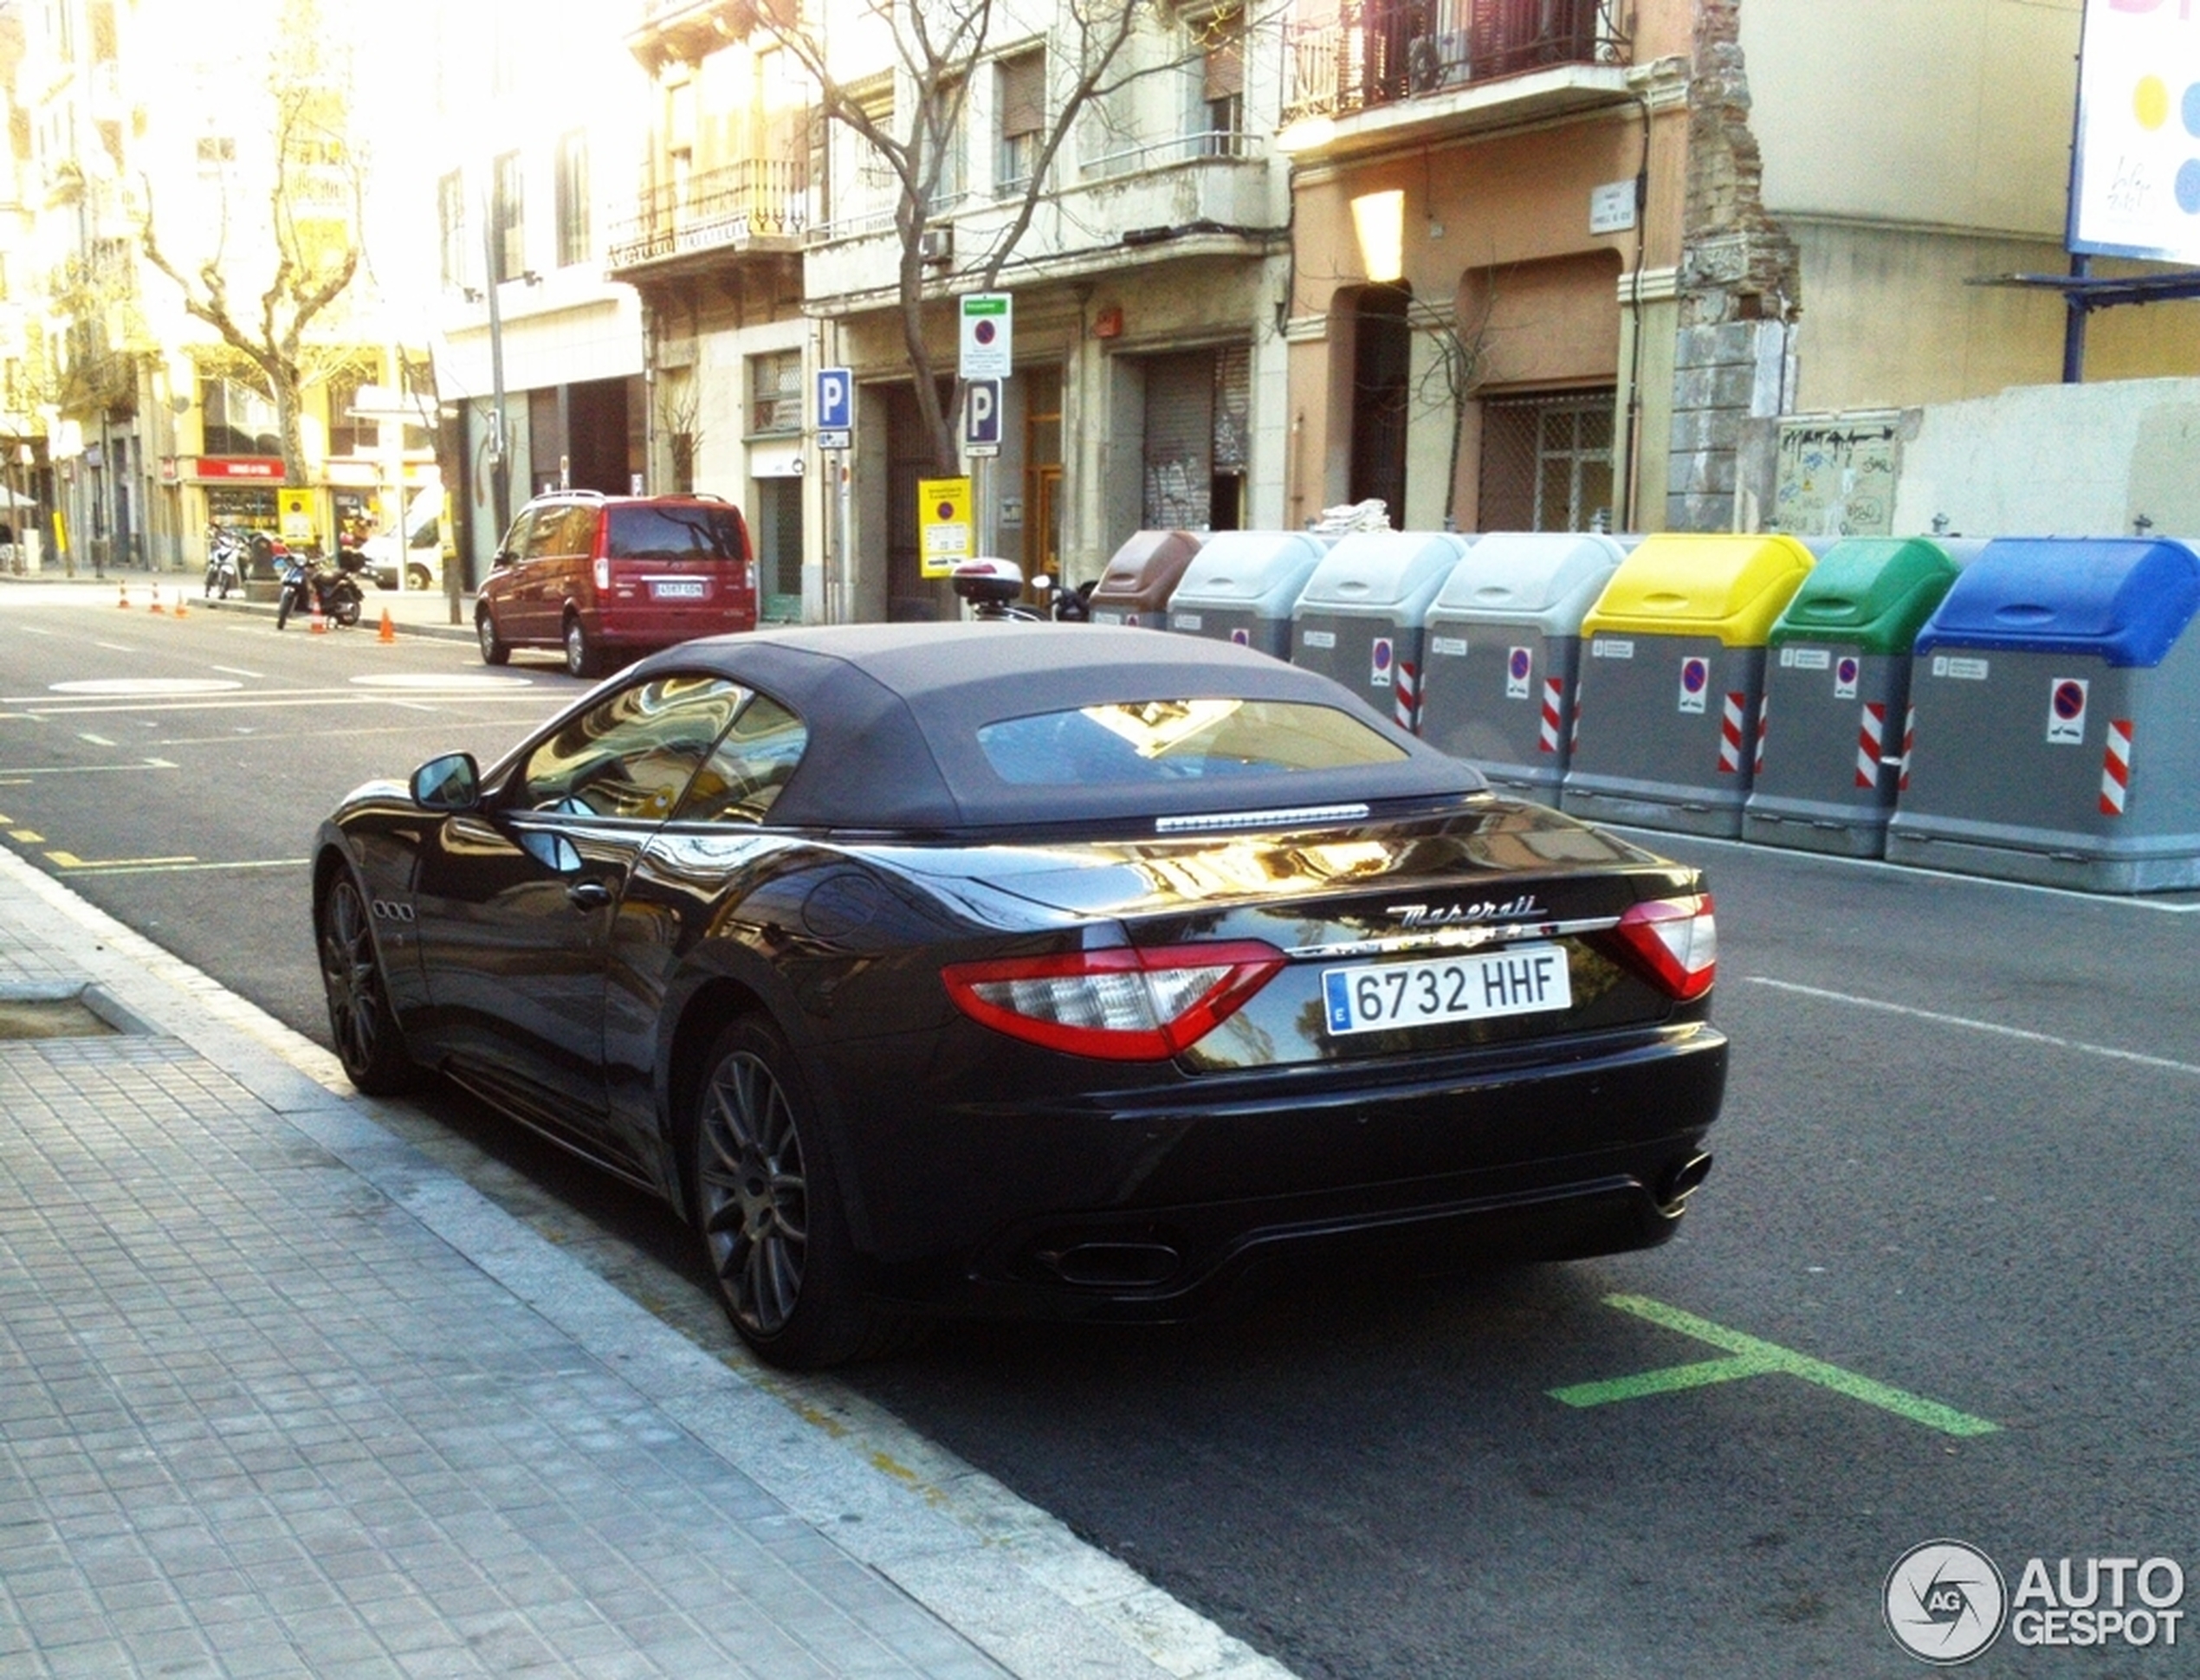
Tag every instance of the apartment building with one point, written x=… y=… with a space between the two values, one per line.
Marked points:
x=768 y=240
x=137 y=117
x=1500 y=264
x=1629 y=262
x=539 y=122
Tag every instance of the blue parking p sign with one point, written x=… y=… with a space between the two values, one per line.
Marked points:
x=836 y=410
x=981 y=417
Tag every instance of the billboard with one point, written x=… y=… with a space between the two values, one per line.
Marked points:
x=2135 y=174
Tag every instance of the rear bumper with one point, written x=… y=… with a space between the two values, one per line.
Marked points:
x=1157 y=1205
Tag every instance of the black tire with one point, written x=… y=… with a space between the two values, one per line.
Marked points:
x=417 y=576
x=582 y=657
x=283 y=603
x=346 y=606
x=768 y=1209
x=493 y=651
x=361 y=1021
x=225 y=584
x=209 y=590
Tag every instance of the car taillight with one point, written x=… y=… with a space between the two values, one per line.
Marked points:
x=1677 y=939
x=1121 y=1004
x=603 y=573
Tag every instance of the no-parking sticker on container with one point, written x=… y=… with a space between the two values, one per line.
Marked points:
x=1847 y=669
x=1379 y=663
x=2066 y=711
x=1519 y=666
x=1695 y=683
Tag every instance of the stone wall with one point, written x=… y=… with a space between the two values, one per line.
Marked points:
x=1739 y=286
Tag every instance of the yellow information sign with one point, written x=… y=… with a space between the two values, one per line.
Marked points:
x=942 y=524
x=299 y=520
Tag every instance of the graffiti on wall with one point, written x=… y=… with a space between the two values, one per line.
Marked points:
x=1836 y=478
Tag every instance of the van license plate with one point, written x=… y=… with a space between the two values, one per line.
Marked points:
x=678 y=589
x=1381 y=997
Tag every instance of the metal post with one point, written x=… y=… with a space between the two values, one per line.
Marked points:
x=2073 y=323
x=499 y=462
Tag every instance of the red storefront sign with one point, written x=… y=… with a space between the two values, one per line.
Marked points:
x=265 y=469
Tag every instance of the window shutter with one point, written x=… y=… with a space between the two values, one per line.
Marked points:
x=1225 y=57
x=1022 y=94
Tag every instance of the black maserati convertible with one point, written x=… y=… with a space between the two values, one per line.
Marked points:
x=1023 y=968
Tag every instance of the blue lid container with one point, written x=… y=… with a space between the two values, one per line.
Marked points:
x=2123 y=600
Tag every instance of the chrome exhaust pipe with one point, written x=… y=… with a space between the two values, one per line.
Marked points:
x=1679 y=1183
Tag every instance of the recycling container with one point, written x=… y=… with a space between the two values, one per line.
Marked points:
x=1836 y=682
x=1140 y=576
x=2054 y=719
x=1671 y=680
x=1242 y=585
x=1504 y=648
x=1359 y=619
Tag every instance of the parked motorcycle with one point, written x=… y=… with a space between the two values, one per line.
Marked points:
x=227 y=548
x=994 y=590
x=315 y=584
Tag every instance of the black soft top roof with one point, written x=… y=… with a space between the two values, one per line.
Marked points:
x=894 y=711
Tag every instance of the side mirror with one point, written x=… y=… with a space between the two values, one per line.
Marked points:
x=503 y=557
x=451 y=782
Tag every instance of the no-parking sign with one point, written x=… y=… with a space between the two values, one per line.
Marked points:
x=1695 y=683
x=2066 y=711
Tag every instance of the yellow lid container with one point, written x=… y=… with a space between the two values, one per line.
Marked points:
x=1733 y=587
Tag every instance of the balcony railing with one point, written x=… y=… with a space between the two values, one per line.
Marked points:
x=758 y=198
x=1377 y=52
x=1178 y=149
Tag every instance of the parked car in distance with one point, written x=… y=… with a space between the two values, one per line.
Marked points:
x=604 y=579
x=1025 y=969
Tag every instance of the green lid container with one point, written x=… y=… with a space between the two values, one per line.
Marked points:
x=1870 y=593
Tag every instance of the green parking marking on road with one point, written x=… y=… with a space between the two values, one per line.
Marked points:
x=1749 y=1357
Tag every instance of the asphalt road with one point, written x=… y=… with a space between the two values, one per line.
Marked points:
x=1941 y=1282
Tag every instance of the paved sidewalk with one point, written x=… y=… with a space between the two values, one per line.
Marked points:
x=279 y=1396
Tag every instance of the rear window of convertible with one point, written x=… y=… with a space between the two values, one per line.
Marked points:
x=1134 y=742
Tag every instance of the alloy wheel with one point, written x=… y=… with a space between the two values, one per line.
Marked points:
x=353 y=979
x=754 y=1194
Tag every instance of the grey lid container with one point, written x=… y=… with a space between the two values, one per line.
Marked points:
x=1546 y=580
x=1259 y=572
x=1382 y=574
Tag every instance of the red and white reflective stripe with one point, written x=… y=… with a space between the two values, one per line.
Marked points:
x=1763 y=709
x=1405 y=705
x=2116 y=768
x=1548 y=742
x=1730 y=734
x=1870 y=737
x=1909 y=740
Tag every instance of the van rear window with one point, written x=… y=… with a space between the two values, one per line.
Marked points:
x=674 y=534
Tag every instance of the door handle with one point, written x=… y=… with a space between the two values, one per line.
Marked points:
x=589 y=895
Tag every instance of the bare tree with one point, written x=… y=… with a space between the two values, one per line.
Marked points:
x=936 y=45
x=290 y=218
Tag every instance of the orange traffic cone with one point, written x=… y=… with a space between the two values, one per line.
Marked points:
x=389 y=631
x=319 y=626
x=125 y=586
x=182 y=611
x=156 y=606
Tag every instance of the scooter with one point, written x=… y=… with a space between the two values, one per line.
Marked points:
x=226 y=548
x=315 y=584
x=994 y=590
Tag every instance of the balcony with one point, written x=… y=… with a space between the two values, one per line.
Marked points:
x=758 y=204
x=688 y=31
x=1200 y=194
x=1374 y=54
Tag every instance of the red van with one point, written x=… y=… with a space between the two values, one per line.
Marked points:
x=607 y=579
